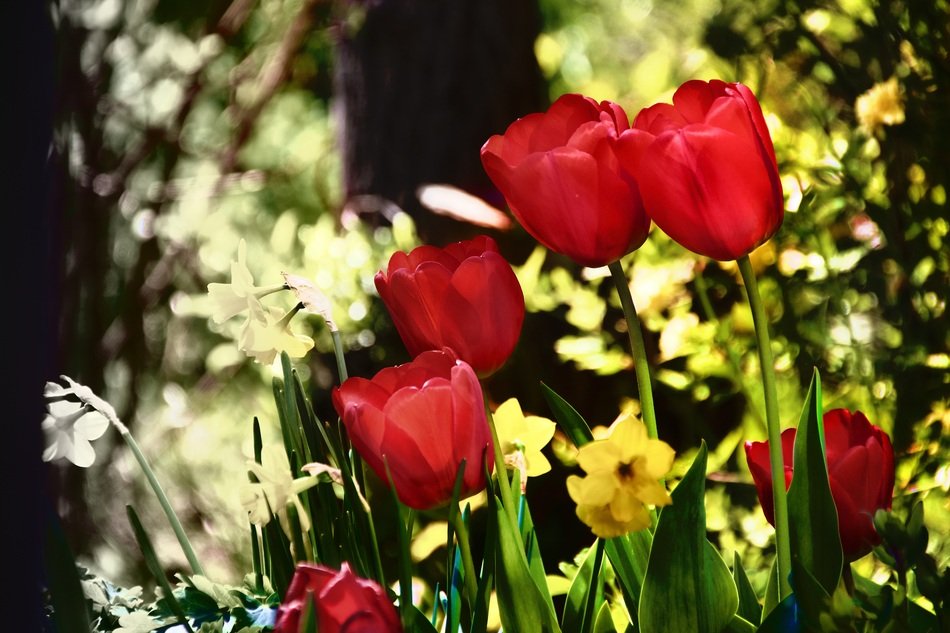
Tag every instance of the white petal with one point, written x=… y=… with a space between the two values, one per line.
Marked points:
x=91 y=426
x=82 y=453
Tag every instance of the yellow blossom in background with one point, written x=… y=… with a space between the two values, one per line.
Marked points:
x=276 y=488
x=266 y=334
x=623 y=473
x=522 y=438
x=881 y=105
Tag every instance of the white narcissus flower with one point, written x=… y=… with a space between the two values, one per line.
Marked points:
x=275 y=489
x=266 y=334
x=75 y=416
x=230 y=300
x=310 y=296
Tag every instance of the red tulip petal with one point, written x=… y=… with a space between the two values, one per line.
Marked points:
x=854 y=524
x=659 y=118
x=755 y=111
x=695 y=98
x=708 y=190
x=837 y=424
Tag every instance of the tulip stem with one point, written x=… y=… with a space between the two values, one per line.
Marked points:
x=468 y=564
x=160 y=494
x=501 y=470
x=773 y=424
x=637 y=347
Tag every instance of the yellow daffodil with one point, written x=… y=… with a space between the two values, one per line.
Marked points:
x=266 y=334
x=522 y=438
x=276 y=489
x=622 y=479
x=881 y=105
x=230 y=300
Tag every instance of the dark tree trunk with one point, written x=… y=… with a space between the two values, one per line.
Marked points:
x=421 y=85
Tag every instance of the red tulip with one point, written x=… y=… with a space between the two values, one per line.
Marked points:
x=709 y=178
x=345 y=603
x=421 y=419
x=562 y=179
x=860 y=469
x=464 y=296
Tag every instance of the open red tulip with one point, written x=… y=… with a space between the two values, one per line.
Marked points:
x=344 y=602
x=420 y=419
x=860 y=470
x=562 y=179
x=464 y=296
x=708 y=177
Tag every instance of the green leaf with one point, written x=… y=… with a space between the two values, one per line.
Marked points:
x=567 y=417
x=419 y=622
x=604 y=622
x=771 y=592
x=65 y=589
x=813 y=520
x=576 y=600
x=521 y=604
x=738 y=624
x=151 y=561
x=628 y=554
x=783 y=618
x=532 y=549
x=749 y=607
x=688 y=587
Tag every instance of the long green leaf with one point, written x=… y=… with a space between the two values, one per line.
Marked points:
x=604 y=622
x=813 y=521
x=576 y=600
x=151 y=561
x=749 y=607
x=567 y=417
x=521 y=604
x=688 y=587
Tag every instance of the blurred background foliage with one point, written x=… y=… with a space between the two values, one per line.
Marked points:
x=184 y=126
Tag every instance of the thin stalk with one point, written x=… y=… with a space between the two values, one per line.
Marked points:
x=637 y=347
x=468 y=565
x=338 y=352
x=773 y=425
x=162 y=498
x=501 y=471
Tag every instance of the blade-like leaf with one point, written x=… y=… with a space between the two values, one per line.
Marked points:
x=151 y=561
x=688 y=587
x=576 y=600
x=604 y=622
x=813 y=520
x=783 y=618
x=567 y=417
x=749 y=607
x=521 y=604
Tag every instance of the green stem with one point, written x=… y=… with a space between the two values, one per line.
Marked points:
x=501 y=471
x=468 y=565
x=767 y=367
x=338 y=352
x=637 y=347
x=162 y=499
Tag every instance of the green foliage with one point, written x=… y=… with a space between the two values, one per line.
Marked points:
x=687 y=587
x=813 y=519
